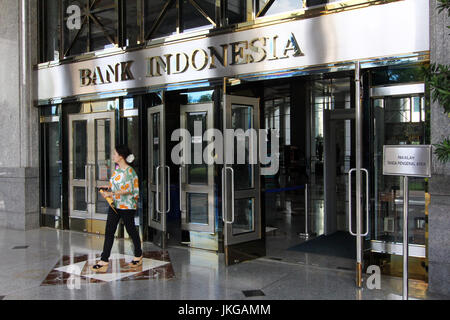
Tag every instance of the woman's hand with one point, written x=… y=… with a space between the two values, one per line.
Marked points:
x=107 y=194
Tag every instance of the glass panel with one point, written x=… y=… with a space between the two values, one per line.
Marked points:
x=156 y=144
x=79 y=200
x=128 y=104
x=416 y=109
x=197 y=208
x=51 y=30
x=242 y=118
x=398 y=110
x=197 y=173
x=101 y=205
x=316 y=189
x=280 y=6
x=49 y=111
x=75 y=40
x=52 y=158
x=103 y=149
x=236 y=11
x=199 y=96
x=192 y=18
x=244 y=216
x=79 y=149
x=103 y=25
x=310 y=3
x=344 y=150
x=394 y=125
x=133 y=30
x=152 y=10
x=396 y=75
x=132 y=138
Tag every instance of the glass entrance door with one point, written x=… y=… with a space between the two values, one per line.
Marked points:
x=159 y=174
x=339 y=159
x=91 y=144
x=197 y=201
x=399 y=119
x=241 y=179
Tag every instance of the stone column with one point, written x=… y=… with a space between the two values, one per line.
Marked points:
x=439 y=216
x=19 y=121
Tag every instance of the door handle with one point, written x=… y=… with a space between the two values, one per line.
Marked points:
x=224 y=199
x=86 y=180
x=223 y=196
x=180 y=174
x=157 y=190
x=367 y=202
x=350 y=203
x=232 y=194
x=168 y=189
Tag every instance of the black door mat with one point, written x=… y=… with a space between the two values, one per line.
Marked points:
x=339 y=244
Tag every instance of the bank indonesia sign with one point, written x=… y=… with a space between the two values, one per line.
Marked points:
x=407 y=160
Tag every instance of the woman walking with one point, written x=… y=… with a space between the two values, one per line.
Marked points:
x=124 y=190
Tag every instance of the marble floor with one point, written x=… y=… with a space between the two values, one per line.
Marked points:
x=47 y=264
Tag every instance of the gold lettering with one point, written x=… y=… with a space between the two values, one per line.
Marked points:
x=99 y=76
x=109 y=72
x=222 y=59
x=168 y=66
x=237 y=51
x=180 y=69
x=150 y=67
x=257 y=49
x=160 y=64
x=117 y=66
x=164 y=65
x=126 y=71
x=273 y=46
x=292 y=45
x=205 y=59
x=85 y=77
x=103 y=75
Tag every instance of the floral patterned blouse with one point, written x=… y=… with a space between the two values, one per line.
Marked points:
x=125 y=180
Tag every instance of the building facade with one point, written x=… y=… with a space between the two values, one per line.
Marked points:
x=337 y=79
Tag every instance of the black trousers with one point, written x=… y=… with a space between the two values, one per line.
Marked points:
x=111 y=227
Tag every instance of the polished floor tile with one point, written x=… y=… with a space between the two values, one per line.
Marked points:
x=77 y=268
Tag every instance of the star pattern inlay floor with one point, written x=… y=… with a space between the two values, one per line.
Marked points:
x=156 y=265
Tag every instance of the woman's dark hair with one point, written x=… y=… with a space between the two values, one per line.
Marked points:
x=124 y=152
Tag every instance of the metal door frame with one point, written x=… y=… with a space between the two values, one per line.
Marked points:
x=160 y=186
x=90 y=168
x=229 y=237
x=189 y=188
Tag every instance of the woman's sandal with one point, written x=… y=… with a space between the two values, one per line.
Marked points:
x=136 y=263
x=100 y=268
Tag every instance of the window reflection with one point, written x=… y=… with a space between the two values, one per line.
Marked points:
x=197 y=13
x=98 y=29
x=267 y=7
x=236 y=11
x=160 y=18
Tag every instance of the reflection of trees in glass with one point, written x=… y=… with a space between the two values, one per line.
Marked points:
x=205 y=98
